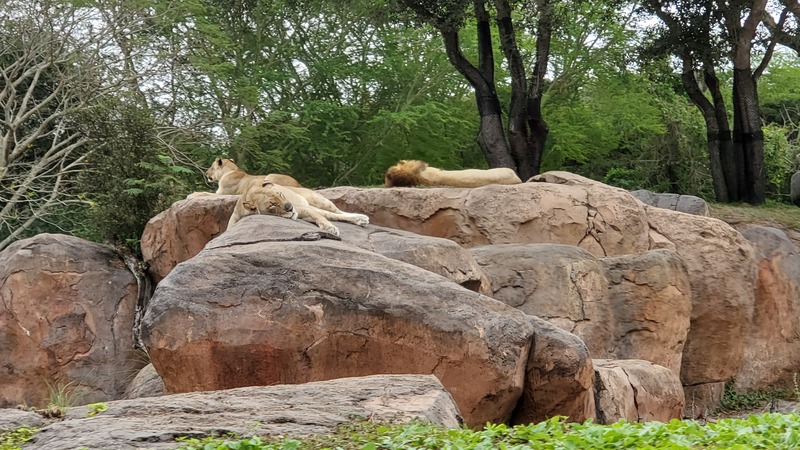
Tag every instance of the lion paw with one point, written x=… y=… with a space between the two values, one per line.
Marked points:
x=331 y=229
x=361 y=220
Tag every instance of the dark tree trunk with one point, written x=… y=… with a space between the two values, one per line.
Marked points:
x=712 y=129
x=723 y=140
x=748 y=137
x=491 y=137
x=537 y=125
x=518 y=131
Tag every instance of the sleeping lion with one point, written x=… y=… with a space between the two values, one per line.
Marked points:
x=277 y=200
x=419 y=173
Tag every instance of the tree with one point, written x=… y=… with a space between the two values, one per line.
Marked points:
x=47 y=75
x=521 y=144
x=736 y=158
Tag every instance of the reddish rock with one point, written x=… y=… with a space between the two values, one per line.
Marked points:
x=67 y=321
x=249 y=310
x=651 y=301
x=563 y=284
x=603 y=220
x=722 y=270
x=772 y=353
x=625 y=307
x=181 y=231
x=702 y=399
x=558 y=377
x=637 y=391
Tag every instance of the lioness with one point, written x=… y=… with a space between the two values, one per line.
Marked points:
x=235 y=181
x=274 y=199
x=419 y=173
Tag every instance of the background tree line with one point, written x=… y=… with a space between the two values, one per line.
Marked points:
x=112 y=109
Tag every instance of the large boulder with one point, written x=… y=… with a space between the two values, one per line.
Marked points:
x=601 y=219
x=558 y=378
x=625 y=307
x=180 y=232
x=772 y=354
x=722 y=275
x=298 y=410
x=559 y=207
x=563 y=284
x=637 y=391
x=67 y=321
x=651 y=301
x=256 y=308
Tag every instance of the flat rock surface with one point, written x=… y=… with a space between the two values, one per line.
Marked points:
x=291 y=410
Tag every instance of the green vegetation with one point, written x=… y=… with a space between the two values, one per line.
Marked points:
x=743 y=401
x=96 y=408
x=772 y=213
x=765 y=431
x=13 y=439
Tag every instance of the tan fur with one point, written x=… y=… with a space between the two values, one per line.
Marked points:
x=235 y=181
x=418 y=173
x=274 y=199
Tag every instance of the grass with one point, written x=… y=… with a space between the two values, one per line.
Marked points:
x=764 y=431
x=733 y=401
x=13 y=439
x=770 y=213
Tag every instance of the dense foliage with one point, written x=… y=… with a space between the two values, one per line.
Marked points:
x=765 y=431
x=335 y=92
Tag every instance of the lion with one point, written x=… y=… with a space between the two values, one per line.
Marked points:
x=235 y=181
x=419 y=173
x=277 y=200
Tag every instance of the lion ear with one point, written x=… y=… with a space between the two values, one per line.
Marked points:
x=249 y=206
x=219 y=161
x=266 y=183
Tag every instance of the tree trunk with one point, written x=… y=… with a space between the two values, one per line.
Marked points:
x=713 y=137
x=491 y=137
x=538 y=129
x=518 y=131
x=723 y=144
x=748 y=137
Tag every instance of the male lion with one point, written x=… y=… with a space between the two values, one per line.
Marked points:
x=418 y=173
x=274 y=199
x=235 y=181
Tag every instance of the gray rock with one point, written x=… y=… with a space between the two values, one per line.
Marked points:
x=147 y=383
x=794 y=188
x=290 y=410
x=11 y=419
x=689 y=204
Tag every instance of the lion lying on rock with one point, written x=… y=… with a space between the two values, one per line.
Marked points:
x=235 y=181
x=419 y=173
x=283 y=201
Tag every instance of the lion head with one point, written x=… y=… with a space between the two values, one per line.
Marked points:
x=219 y=167
x=269 y=201
x=404 y=173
